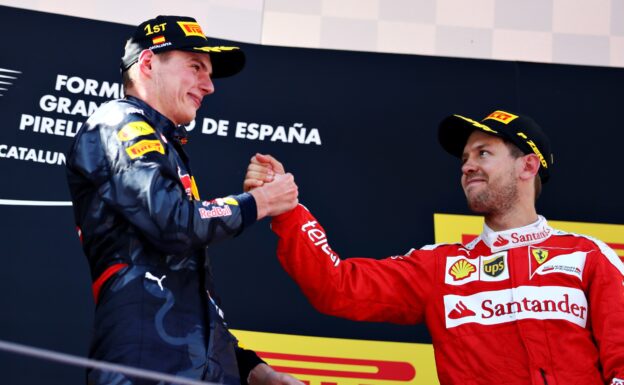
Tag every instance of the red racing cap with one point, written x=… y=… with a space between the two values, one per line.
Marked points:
x=521 y=130
x=167 y=33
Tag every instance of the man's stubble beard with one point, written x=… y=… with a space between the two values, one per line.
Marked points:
x=499 y=197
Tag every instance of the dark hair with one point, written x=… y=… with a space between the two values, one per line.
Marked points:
x=126 y=80
x=516 y=153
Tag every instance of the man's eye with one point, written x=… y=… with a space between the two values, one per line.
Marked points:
x=483 y=153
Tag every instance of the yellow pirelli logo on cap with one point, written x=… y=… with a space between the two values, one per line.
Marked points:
x=143 y=147
x=133 y=130
x=501 y=116
x=191 y=28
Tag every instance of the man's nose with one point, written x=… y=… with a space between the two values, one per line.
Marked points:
x=206 y=85
x=469 y=166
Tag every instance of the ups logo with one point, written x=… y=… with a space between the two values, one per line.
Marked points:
x=495 y=267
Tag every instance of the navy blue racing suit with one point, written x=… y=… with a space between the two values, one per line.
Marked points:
x=145 y=231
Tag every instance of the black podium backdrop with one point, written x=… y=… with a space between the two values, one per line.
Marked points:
x=358 y=130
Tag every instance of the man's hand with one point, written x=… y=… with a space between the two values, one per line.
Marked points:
x=263 y=374
x=276 y=197
x=262 y=169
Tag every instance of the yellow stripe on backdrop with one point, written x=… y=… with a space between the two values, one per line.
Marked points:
x=338 y=361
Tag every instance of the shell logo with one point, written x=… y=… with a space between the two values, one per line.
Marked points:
x=462 y=269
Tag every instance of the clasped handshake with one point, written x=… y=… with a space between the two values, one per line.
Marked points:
x=273 y=189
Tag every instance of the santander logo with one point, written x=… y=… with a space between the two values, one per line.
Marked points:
x=460 y=311
x=527 y=236
x=500 y=241
x=530 y=237
x=522 y=302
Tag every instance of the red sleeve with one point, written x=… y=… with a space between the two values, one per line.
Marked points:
x=606 y=303
x=394 y=289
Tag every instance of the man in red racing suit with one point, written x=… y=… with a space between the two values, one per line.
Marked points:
x=521 y=304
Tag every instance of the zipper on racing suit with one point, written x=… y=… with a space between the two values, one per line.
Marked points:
x=544 y=376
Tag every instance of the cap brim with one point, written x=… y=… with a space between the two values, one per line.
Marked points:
x=226 y=61
x=454 y=130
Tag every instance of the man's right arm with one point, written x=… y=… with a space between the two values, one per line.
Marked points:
x=136 y=179
x=394 y=289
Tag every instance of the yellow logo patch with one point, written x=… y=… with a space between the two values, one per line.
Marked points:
x=494 y=267
x=462 y=269
x=143 y=147
x=540 y=255
x=133 y=130
x=230 y=201
x=477 y=124
x=191 y=28
x=215 y=49
x=501 y=116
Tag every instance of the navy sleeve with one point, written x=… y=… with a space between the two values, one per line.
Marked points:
x=139 y=179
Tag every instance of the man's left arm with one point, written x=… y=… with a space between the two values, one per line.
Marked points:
x=606 y=303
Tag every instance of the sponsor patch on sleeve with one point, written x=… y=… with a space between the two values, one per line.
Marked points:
x=221 y=202
x=219 y=207
x=143 y=147
x=134 y=130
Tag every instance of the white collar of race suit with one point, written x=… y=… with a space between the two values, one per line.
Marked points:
x=536 y=232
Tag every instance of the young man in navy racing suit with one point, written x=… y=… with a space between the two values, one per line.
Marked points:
x=143 y=226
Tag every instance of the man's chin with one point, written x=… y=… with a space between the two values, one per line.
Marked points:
x=187 y=120
x=477 y=207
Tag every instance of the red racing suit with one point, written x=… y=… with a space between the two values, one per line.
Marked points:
x=531 y=305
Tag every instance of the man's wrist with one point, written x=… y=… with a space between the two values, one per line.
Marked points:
x=261 y=202
x=248 y=207
x=259 y=374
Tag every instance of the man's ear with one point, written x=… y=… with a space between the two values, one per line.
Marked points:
x=530 y=166
x=145 y=62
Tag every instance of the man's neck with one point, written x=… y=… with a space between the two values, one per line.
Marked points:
x=520 y=215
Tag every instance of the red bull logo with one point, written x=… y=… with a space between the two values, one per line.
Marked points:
x=186 y=182
x=190 y=188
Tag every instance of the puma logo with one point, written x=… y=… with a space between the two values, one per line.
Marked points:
x=152 y=277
